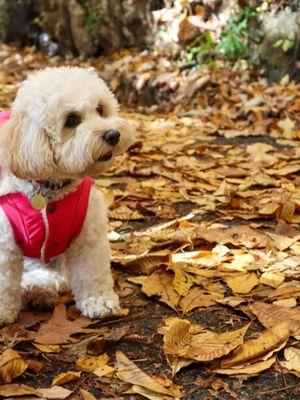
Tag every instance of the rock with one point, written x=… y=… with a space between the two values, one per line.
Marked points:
x=284 y=25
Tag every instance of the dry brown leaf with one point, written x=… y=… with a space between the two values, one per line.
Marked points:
x=59 y=328
x=272 y=279
x=143 y=264
x=177 y=339
x=51 y=348
x=105 y=370
x=198 y=297
x=292 y=357
x=149 y=394
x=17 y=390
x=286 y=303
x=129 y=372
x=203 y=346
x=11 y=365
x=35 y=365
x=181 y=282
x=285 y=291
x=87 y=395
x=242 y=283
x=66 y=377
x=270 y=315
x=55 y=392
x=248 y=369
x=90 y=363
x=159 y=283
x=287 y=211
x=267 y=341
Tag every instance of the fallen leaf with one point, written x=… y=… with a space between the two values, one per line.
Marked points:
x=87 y=395
x=159 y=283
x=17 y=390
x=66 y=377
x=198 y=297
x=272 y=279
x=268 y=340
x=55 y=392
x=129 y=372
x=105 y=370
x=203 y=346
x=251 y=369
x=51 y=348
x=292 y=357
x=242 y=283
x=11 y=365
x=270 y=315
x=59 y=329
x=90 y=363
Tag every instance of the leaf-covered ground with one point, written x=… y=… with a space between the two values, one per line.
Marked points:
x=204 y=218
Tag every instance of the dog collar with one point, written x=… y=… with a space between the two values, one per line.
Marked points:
x=52 y=185
x=43 y=195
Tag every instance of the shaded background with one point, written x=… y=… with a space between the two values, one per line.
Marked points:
x=190 y=33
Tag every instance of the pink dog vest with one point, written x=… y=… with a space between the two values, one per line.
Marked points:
x=48 y=233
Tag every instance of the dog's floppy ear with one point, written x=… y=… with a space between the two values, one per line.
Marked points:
x=10 y=141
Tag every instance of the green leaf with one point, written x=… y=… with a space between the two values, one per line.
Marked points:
x=278 y=43
x=287 y=45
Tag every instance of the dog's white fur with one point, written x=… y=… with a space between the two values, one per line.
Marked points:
x=35 y=145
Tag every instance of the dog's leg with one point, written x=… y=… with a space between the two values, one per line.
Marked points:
x=11 y=267
x=88 y=263
x=42 y=283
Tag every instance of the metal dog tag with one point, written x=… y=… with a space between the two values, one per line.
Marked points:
x=38 y=201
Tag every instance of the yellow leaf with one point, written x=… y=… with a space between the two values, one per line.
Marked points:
x=292 y=356
x=87 y=395
x=66 y=377
x=272 y=279
x=90 y=363
x=198 y=297
x=180 y=341
x=287 y=212
x=11 y=366
x=177 y=339
x=105 y=370
x=287 y=125
x=248 y=369
x=129 y=372
x=50 y=348
x=181 y=282
x=242 y=283
x=159 y=283
x=268 y=340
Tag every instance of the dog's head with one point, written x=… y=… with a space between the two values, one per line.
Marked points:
x=64 y=125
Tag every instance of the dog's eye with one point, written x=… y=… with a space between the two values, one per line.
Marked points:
x=72 y=121
x=100 y=110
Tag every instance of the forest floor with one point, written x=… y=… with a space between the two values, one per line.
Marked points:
x=204 y=214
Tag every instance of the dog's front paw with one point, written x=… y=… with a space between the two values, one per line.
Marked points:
x=9 y=313
x=100 y=306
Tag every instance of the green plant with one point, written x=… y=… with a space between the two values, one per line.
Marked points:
x=233 y=44
x=93 y=18
x=285 y=44
x=202 y=50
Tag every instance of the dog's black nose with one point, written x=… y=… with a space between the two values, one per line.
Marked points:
x=111 y=137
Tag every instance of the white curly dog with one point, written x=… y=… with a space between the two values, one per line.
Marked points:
x=64 y=127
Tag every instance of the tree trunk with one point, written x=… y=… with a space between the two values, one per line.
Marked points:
x=86 y=27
